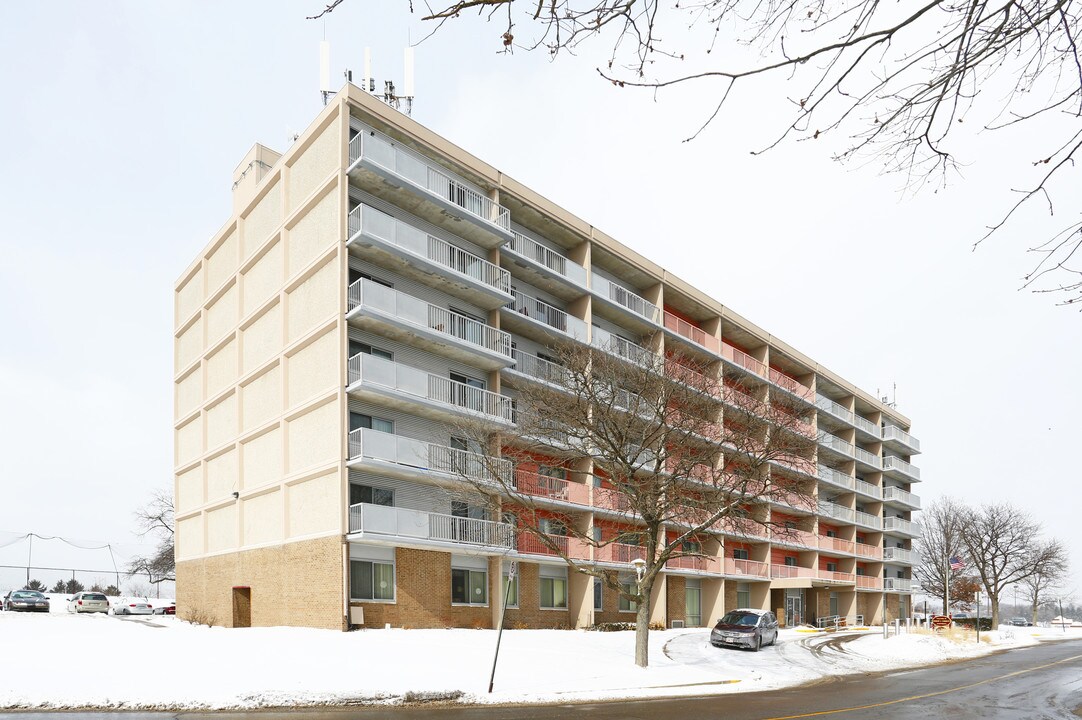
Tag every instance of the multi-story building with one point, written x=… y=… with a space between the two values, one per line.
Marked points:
x=375 y=275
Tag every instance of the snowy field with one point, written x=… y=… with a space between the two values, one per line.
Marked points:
x=200 y=667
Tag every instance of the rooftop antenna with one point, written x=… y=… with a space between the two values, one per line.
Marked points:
x=325 y=71
x=390 y=93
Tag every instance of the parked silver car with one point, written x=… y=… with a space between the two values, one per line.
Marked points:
x=26 y=601
x=132 y=606
x=746 y=628
x=88 y=602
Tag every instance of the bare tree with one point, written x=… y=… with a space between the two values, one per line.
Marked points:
x=909 y=84
x=156 y=519
x=673 y=452
x=1050 y=566
x=1001 y=540
x=940 y=540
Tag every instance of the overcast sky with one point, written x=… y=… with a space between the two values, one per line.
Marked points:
x=123 y=122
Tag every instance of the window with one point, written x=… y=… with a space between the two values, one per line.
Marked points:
x=831 y=533
x=790 y=561
x=371 y=580
x=691 y=546
x=356 y=347
x=740 y=554
x=860 y=571
x=469 y=587
x=358 y=421
x=743 y=595
x=554 y=593
x=833 y=603
x=597 y=595
x=551 y=527
x=627 y=605
x=511 y=591
x=371 y=495
x=832 y=567
x=552 y=472
x=467 y=391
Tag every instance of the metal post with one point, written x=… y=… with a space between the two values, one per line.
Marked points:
x=1062 y=620
x=978 y=617
x=29 y=558
x=499 y=633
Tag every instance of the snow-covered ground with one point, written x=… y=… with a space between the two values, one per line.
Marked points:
x=260 y=667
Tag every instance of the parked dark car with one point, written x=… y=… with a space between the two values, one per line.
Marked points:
x=745 y=628
x=26 y=600
x=1019 y=622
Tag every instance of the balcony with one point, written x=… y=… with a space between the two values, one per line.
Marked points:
x=897 y=496
x=869 y=582
x=747 y=569
x=898 y=584
x=849 y=450
x=545 y=267
x=872 y=552
x=542 y=486
x=742 y=527
x=375 y=235
x=623 y=300
x=900 y=556
x=834 y=409
x=836 y=545
x=604 y=340
x=611 y=500
x=536 y=369
x=419 y=185
x=682 y=328
x=620 y=553
x=867 y=489
x=561 y=546
x=791 y=385
x=695 y=563
x=837 y=512
x=835 y=577
x=397 y=525
x=867 y=520
x=742 y=360
x=897 y=467
x=838 y=479
x=387 y=382
x=779 y=572
x=900 y=441
x=899 y=526
x=529 y=316
x=404 y=457
x=798 y=538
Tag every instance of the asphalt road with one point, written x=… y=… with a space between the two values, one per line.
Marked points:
x=1038 y=683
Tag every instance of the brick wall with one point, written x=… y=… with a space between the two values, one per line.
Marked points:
x=297 y=583
x=675 y=599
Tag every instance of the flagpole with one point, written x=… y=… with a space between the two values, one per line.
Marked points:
x=947 y=583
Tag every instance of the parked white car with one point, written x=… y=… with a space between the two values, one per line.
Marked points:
x=132 y=606
x=88 y=602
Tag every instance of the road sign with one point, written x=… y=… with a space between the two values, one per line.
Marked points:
x=939 y=622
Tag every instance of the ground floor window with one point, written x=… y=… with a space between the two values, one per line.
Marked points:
x=469 y=587
x=511 y=591
x=554 y=593
x=626 y=604
x=743 y=595
x=371 y=580
x=597 y=594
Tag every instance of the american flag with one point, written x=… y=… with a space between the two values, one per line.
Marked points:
x=957 y=563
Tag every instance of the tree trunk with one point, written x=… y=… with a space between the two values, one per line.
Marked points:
x=642 y=626
x=1034 y=608
x=995 y=612
x=946 y=610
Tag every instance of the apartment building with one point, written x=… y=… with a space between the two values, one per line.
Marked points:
x=371 y=278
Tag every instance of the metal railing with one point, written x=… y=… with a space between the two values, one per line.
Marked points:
x=835 y=576
x=900 y=555
x=900 y=525
x=902 y=496
x=378 y=224
x=373 y=370
x=834 y=477
x=742 y=359
x=836 y=511
x=692 y=332
x=547 y=314
x=866 y=488
x=532 y=483
x=833 y=408
x=793 y=537
x=867 y=520
x=866 y=425
x=699 y=563
x=840 y=621
x=872 y=552
x=546 y=257
x=421 y=525
x=624 y=297
x=790 y=384
x=604 y=340
x=365 y=292
x=898 y=465
x=387 y=447
x=790 y=571
x=869 y=582
x=866 y=457
x=620 y=553
x=898 y=584
x=422 y=172
x=538 y=368
x=531 y=544
x=746 y=568
x=836 y=544
x=893 y=432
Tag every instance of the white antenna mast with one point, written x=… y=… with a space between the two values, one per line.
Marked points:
x=369 y=84
x=325 y=70
x=408 y=91
x=390 y=94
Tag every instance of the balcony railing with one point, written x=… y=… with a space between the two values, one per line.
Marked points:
x=531 y=483
x=743 y=527
x=387 y=447
x=742 y=359
x=832 y=408
x=791 y=571
x=896 y=464
x=609 y=499
x=538 y=368
x=901 y=526
x=546 y=257
x=898 y=584
x=790 y=384
x=425 y=174
x=620 y=553
x=624 y=297
x=547 y=314
x=836 y=576
x=621 y=347
x=869 y=582
x=896 y=434
x=836 y=511
x=746 y=568
x=693 y=562
x=417 y=524
x=867 y=458
x=902 y=496
x=417 y=312
x=848 y=449
x=872 y=552
x=834 y=477
x=866 y=488
x=692 y=332
x=867 y=520
x=836 y=544
x=794 y=537
x=900 y=555
x=377 y=224
x=371 y=370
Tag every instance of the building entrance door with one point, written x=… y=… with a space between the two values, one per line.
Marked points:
x=693 y=607
x=242 y=607
x=794 y=610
